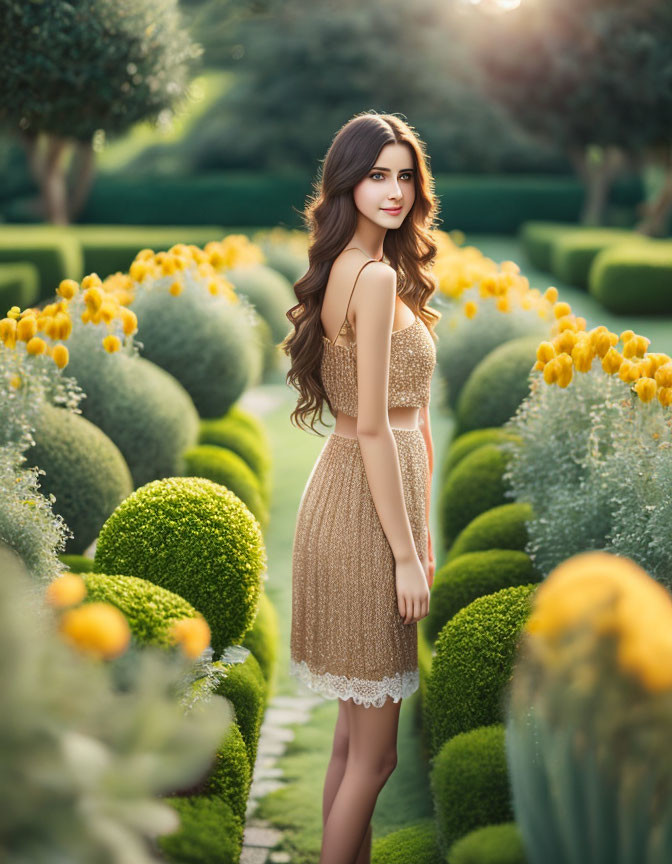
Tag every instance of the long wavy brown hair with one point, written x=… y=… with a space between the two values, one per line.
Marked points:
x=330 y=217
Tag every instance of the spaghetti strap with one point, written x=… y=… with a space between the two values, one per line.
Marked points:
x=345 y=319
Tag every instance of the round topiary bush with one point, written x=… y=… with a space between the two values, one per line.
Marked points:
x=240 y=416
x=77 y=563
x=498 y=385
x=473 y=661
x=245 y=687
x=492 y=844
x=209 y=832
x=144 y=410
x=238 y=437
x=477 y=484
x=149 y=609
x=473 y=575
x=414 y=843
x=268 y=291
x=231 y=774
x=84 y=471
x=195 y=538
x=463 y=445
x=264 y=637
x=228 y=469
x=206 y=343
x=502 y=527
x=470 y=783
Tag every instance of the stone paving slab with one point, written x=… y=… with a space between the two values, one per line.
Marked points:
x=279 y=857
x=267 y=837
x=254 y=855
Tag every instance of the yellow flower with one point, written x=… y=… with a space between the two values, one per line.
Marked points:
x=628 y=371
x=504 y=304
x=193 y=634
x=561 y=309
x=567 y=322
x=93 y=298
x=213 y=288
x=646 y=389
x=93 y=280
x=67 y=288
x=611 y=362
x=580 y=323
x=665 y=396
x=15 y=381
x=636 y=347
x=99 y=629
x=144 y=255
x=470 y=308
x=138 y=271
x=66 y=590
x=582 y=357
x=626 y=336
x=176 y=289
x=14 y=312
x=60 y=356
x=663 y=375
x=129 y=320
x=8 y=331
x=168 y=266
x=545 y=352
x=36 y=346
x=565 y=341
x=111 y=343
x=551 y=371
x=551 y=294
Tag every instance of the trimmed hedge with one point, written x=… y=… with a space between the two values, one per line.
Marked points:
x=238 y=437
x=502 y=527
x=463 y=444
x=537 y=238
x=209 y=832
x=231 y=774
x=263 y=639
x=245 y=687
x=634 y=278
x=149 y=609
x=477 y=484
x=228 y=469
x=470 y=783
x=77 y=563
x=472 y=665
x=55 y=255
x=497 y=385
x=492 y=844
x=416 y=843
x=573 y=253
x=19 y=286
x=473 y=575
x=268 y=291
x=84 y=471
x=195 y=538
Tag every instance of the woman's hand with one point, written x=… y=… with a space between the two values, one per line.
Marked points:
x=412 y=590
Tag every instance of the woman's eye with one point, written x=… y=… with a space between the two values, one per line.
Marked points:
x=378 y=174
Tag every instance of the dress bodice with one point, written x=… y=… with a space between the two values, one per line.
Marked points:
x=412 y=362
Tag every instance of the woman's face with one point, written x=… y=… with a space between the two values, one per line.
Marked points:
x=390 y=183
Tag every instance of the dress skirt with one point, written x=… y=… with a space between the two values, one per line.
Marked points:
x=348 y=639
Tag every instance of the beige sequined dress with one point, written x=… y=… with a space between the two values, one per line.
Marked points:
x=348 y=639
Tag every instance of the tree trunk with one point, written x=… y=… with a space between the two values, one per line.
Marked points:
x=84 y=165
x=54 y=190
x=655 y=213
x=597 y=178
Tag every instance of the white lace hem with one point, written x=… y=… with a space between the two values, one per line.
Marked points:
x=360 y=690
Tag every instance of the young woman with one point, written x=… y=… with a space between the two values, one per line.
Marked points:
x=362 y=562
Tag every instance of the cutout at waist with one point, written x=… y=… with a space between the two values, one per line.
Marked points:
x=400 y=418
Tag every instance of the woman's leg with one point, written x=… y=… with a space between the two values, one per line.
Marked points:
x=335 y=771
x=371 y=758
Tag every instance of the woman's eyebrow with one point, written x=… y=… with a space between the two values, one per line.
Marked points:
x=403 y=171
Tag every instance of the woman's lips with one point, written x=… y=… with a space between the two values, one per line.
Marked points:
x=393 y=210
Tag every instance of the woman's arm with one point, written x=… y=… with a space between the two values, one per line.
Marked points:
x=374 y=315
x=423 y=422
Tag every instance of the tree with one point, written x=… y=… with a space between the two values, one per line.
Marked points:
x=591 y=76
x=72 y=69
